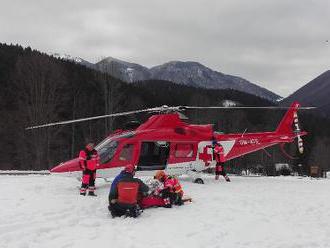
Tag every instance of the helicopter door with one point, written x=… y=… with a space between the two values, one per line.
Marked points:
x=153 y=155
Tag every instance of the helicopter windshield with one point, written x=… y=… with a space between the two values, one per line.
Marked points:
x=106 y=150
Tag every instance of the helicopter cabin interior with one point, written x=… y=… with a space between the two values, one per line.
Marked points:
x=154 y=155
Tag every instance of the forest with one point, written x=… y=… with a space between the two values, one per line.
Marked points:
x=37 y=88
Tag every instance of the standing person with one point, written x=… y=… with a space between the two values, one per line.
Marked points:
x=88 y=160
x=219 y=156
x=125 y=192
x=171 y=190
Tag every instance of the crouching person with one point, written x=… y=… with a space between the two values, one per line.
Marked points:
x=124 y=193
x=171 y=190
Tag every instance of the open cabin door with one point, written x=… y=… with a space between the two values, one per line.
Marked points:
x=153 y=155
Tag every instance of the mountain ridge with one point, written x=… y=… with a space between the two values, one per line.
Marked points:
x=190 y=73
x=315 y=93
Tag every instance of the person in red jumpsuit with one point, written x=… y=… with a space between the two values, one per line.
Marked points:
x=218 y=155
x=171 y=190
x=89 y=161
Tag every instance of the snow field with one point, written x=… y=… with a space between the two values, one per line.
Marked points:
x=47 y=211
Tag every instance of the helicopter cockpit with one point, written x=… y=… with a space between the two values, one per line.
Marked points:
x=107 y=148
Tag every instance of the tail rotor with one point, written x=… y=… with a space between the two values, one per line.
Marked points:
x=289 y=126
x=298 y=132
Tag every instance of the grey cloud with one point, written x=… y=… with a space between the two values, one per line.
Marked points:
x=278 y=44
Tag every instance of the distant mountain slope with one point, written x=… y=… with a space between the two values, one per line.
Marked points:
x=184 y=73
x=198 y=75
x=76 y=60
x=315 y=93
x=128 y=72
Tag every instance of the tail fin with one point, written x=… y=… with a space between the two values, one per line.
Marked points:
x=286 y=123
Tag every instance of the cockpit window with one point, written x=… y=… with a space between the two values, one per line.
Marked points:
x=129 y=134
x=106 y=150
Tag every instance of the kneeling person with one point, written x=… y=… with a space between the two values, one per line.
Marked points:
x=124 y=193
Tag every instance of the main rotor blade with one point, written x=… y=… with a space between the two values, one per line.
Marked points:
x=156 y=109
x=163 y=108
x=241 y=107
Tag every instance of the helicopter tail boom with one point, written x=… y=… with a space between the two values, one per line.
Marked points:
x=286 y=132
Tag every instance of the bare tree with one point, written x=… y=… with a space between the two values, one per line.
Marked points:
x=39 y=82
x=320 y=155
x=111 y=95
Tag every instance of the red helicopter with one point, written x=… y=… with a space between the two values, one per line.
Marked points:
x=166 y=142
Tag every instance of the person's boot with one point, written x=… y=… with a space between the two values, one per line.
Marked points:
x=227 y=178
x=91 y=193
x=82 y=191
x=112 y=211
x=180 y=202
x=133 y=212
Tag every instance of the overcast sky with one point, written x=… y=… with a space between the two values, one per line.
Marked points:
x=277 y=44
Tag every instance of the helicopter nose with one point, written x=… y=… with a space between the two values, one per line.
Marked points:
x=68 y=166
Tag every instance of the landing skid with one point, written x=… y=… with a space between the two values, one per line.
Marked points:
x=197 y=177
x=199 y=180
x=107 y=180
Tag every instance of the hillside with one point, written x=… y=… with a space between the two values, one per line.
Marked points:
x=185 y=73
x=127 y=72
x=198 y=75
x=315 y=93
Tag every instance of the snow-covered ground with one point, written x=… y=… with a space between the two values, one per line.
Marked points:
x=46 y=211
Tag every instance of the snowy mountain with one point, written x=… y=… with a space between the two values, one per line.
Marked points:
x=185 y=73
x=76 y=60
x=315 y=93
x=198 y=75
x=128 y=72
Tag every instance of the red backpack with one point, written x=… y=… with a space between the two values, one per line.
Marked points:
x=128 y=192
